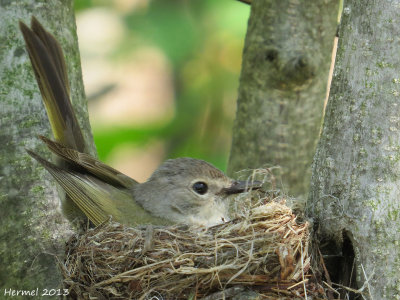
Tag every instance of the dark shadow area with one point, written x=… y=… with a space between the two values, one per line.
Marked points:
x=339 y=261
x=347 y=276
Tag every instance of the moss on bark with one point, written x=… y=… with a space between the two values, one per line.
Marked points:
x=356 y=171
x=32 y=229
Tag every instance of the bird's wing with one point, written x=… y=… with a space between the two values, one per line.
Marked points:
x=98 y=200
x=90 y=164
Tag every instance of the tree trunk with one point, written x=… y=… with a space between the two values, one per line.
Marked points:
x=32 y=227
x=354 y=197
x=285 y=68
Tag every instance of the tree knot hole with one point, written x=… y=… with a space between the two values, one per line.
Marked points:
x=347 y=276
x=271 y=55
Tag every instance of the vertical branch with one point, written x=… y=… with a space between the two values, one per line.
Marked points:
x=285 y=68
x=354 y=196
x=32 y=227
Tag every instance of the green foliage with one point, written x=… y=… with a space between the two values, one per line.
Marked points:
x=83 y=4
x=203 y=42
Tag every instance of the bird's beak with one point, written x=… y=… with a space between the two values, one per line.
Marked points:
x=242 y=186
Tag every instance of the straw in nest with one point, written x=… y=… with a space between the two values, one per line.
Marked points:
x=266 y=250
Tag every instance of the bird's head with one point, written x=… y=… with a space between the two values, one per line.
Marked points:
x=190 y=191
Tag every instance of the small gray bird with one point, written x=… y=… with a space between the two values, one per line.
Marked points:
x=182 y=190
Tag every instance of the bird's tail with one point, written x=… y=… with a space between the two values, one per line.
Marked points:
x=95 y=189
x=50 y=70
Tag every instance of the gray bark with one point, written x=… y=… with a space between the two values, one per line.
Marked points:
x=354 y=197
x=32 y=229
x=283 y=82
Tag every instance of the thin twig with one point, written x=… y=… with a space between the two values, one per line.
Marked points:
x=245 y=1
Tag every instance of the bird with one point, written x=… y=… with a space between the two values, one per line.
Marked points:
x=180 y=191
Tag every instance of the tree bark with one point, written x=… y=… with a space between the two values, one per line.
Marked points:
x=285 y=68
x=354 y=196
x=32 y=228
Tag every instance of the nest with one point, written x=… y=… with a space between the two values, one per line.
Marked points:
x=265 y=250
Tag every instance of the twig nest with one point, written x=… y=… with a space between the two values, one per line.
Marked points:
x=266 y=250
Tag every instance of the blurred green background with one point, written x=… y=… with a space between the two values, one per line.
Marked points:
x=161 y=77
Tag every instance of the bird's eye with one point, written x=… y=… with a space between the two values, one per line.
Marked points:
x=200 y=187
